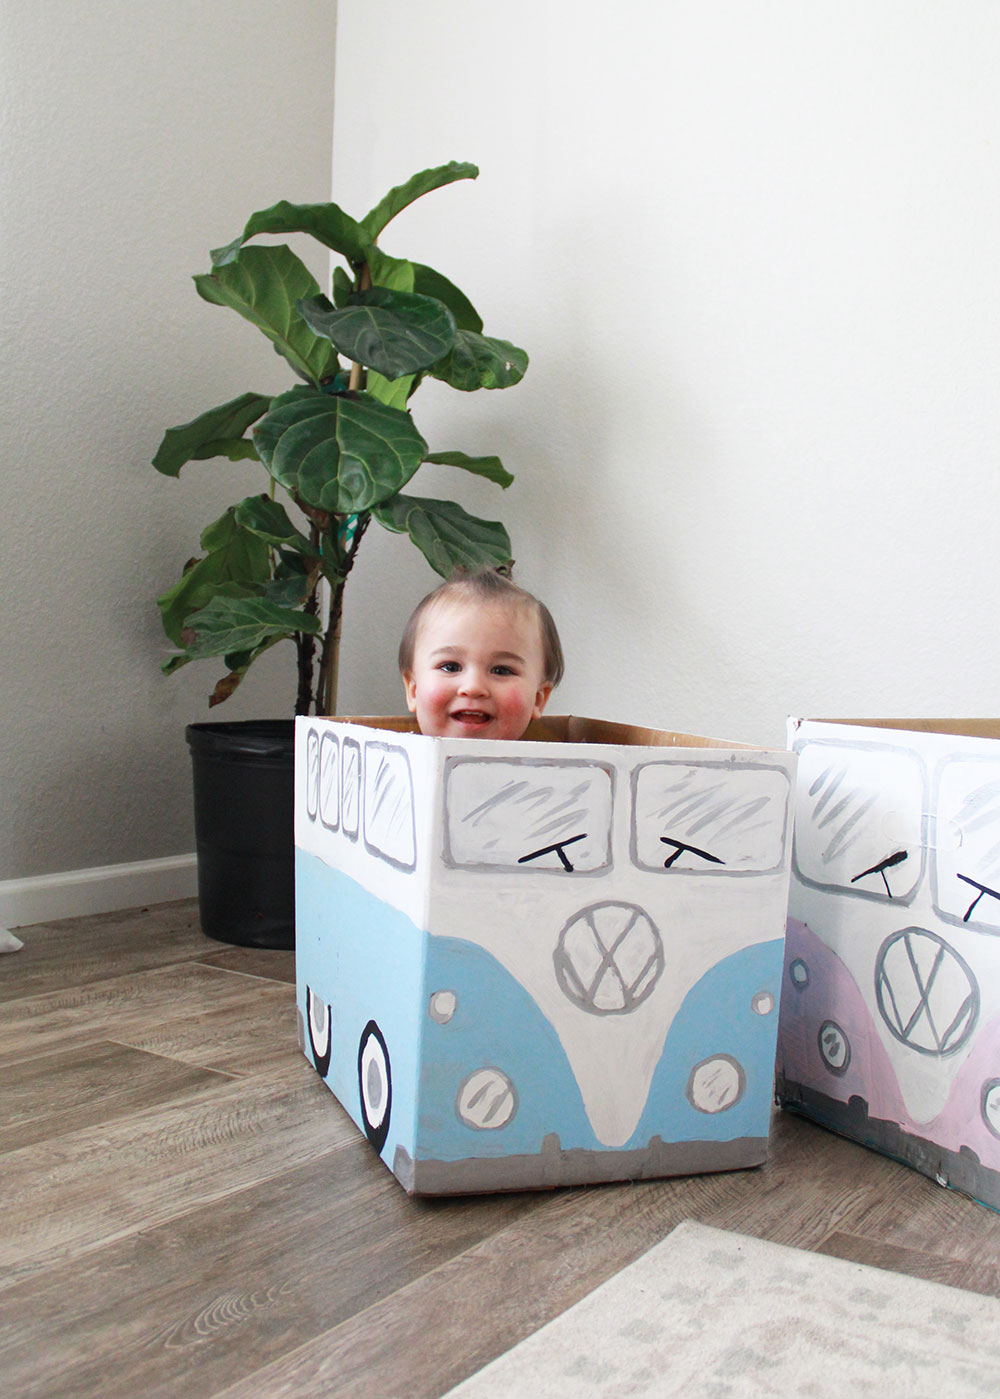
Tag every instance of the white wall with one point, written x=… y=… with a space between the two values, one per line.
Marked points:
x=135 y=137
x=752 y=250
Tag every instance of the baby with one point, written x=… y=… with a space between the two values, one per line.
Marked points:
x=479 y=658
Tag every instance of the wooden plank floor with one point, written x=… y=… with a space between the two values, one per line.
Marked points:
x=187 y=1210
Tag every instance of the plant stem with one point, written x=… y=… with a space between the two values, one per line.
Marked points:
x=329 y=665
x=364 y=282
x=305 y=644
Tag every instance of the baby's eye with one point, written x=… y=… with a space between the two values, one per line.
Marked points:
x=503 y=670
x=450 y=667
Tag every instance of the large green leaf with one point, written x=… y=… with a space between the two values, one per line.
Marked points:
x=447 y=537
x=394 y=392
x=490 y=467
x=396 y=273
x=233 y=555
x=393 y=332
x=269 y=520
x=236 y=620
x=480 y=362
x=234 y=448
x=265 y=286
x=402 y=195
x=343 y=287
x=292 y=591
x=327 y=223
x=339 y=452
x=216 y=433
x=431 y=283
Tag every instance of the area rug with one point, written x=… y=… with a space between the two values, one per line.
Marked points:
x=709 y=1313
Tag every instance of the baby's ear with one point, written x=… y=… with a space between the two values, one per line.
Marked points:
x=410 y=685
x=541 y=698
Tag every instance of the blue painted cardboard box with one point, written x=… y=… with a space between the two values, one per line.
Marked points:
x=890 y=1007
x=544 y=962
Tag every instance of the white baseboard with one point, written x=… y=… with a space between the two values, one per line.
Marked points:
x=102 y=889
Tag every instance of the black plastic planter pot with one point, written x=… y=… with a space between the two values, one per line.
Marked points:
x=243 y=804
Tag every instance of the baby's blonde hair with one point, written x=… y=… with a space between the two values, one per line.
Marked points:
x=486 y=585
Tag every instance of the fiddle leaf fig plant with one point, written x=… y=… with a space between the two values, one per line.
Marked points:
x=338 y=447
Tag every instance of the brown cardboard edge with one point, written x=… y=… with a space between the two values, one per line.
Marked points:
x=961 y=728
x=570 y=728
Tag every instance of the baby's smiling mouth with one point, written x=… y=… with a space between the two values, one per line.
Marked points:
x=471 y=716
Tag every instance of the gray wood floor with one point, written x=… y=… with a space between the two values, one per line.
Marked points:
x=186 y=1210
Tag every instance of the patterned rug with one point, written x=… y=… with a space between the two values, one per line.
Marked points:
x=709 y=1313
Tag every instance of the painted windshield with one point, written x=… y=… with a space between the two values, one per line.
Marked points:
x=966 y=843
x=859 y=826
x=708 y=818
x=526 y=815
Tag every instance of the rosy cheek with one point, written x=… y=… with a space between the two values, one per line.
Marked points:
x=512 y=701
x=437 y=688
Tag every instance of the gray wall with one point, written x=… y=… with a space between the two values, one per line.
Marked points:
x=135 y=137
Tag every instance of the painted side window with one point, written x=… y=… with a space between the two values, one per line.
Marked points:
x=388 y=805
x=329 y=781
x=312 y=774
x=350 y=787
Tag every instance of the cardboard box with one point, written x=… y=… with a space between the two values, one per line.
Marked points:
x=890 y=1008
x=542 y=962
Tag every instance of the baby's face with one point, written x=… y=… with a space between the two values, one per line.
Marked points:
x=478 y=671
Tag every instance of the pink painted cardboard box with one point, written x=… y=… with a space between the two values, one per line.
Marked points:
x=890 y=1006
x=542 y=962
